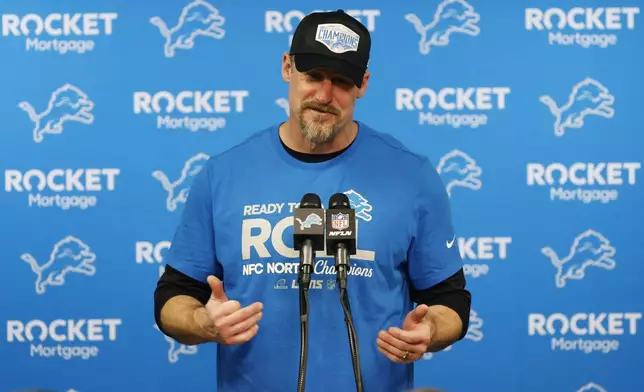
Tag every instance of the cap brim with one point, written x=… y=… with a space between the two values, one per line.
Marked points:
x=305 y=62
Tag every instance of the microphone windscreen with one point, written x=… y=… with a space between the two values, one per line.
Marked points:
x=311 y=200
x=308 y=222
x=339 y=200
x=340 y=224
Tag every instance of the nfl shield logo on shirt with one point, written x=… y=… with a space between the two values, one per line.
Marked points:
x=340 y=221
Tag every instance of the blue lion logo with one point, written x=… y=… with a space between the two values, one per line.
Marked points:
x=67 y=104
x=451 y=16
x=198 y=18
x=588 y=98
x=360 y=205
x=592 y=387
x=178 y=190
x=589 y=249
x=312 y=219
x=70 y=255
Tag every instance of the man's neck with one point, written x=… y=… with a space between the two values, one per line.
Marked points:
x=293 y=138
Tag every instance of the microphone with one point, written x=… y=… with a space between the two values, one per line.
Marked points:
x=308 y=237
x=341 y=234
x=308 y=234
x=341 y=243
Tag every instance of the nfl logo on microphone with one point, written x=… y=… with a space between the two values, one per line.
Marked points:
x=340 y=221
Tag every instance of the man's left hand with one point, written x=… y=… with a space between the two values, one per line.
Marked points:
x=408 y=344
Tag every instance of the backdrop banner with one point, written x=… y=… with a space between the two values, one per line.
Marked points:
x=529 y=110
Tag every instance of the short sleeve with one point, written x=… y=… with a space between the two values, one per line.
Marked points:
x=192 y=250
x=434 y=253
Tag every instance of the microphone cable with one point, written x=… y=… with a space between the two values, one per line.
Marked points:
x=308 y=238
x=342 y=254
x=304 y=280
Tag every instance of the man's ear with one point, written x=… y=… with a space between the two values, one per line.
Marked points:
x=365 y=83
x=287 y=70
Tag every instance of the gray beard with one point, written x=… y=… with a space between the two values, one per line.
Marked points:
x=317 y=133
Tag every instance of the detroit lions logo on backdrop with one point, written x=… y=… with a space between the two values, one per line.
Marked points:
x=283 y=103
x=198 y=18
x=452 y=16
x=67 y=103
x=177 y=348
x=178 y=190
x=43 y=390
x=457 y=169
x=589 y=249
x=474 y=333
x=591 y=387
x=69 y=255
x=360 y=205
x=588 y=97
x=312 y=219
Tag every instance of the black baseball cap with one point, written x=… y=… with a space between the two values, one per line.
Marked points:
x=332 y=40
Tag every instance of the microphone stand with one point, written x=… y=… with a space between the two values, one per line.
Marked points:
x=304 y=281
x=342 y=263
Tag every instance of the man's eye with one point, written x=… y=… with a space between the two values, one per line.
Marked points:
x=316 y=76
x=341 y=82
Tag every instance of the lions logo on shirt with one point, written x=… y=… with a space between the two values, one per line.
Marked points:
x=359 y=204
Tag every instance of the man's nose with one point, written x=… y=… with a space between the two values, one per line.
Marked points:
x=325 y=92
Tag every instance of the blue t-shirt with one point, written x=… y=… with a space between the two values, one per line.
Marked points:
x=237 y=224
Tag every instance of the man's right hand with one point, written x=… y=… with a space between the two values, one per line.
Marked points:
x=224 y=320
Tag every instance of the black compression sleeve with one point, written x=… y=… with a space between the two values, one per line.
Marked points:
x=451 y=293
x=173 y=283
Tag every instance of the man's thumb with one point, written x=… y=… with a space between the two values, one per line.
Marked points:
x=217 y=289
x=420 y=312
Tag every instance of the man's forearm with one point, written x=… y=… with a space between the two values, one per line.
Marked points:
x=181 y=317
x=446 y=327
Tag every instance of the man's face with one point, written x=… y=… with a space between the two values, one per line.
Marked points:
x=322 y=101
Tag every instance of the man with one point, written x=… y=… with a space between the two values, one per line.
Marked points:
x=210 y=293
